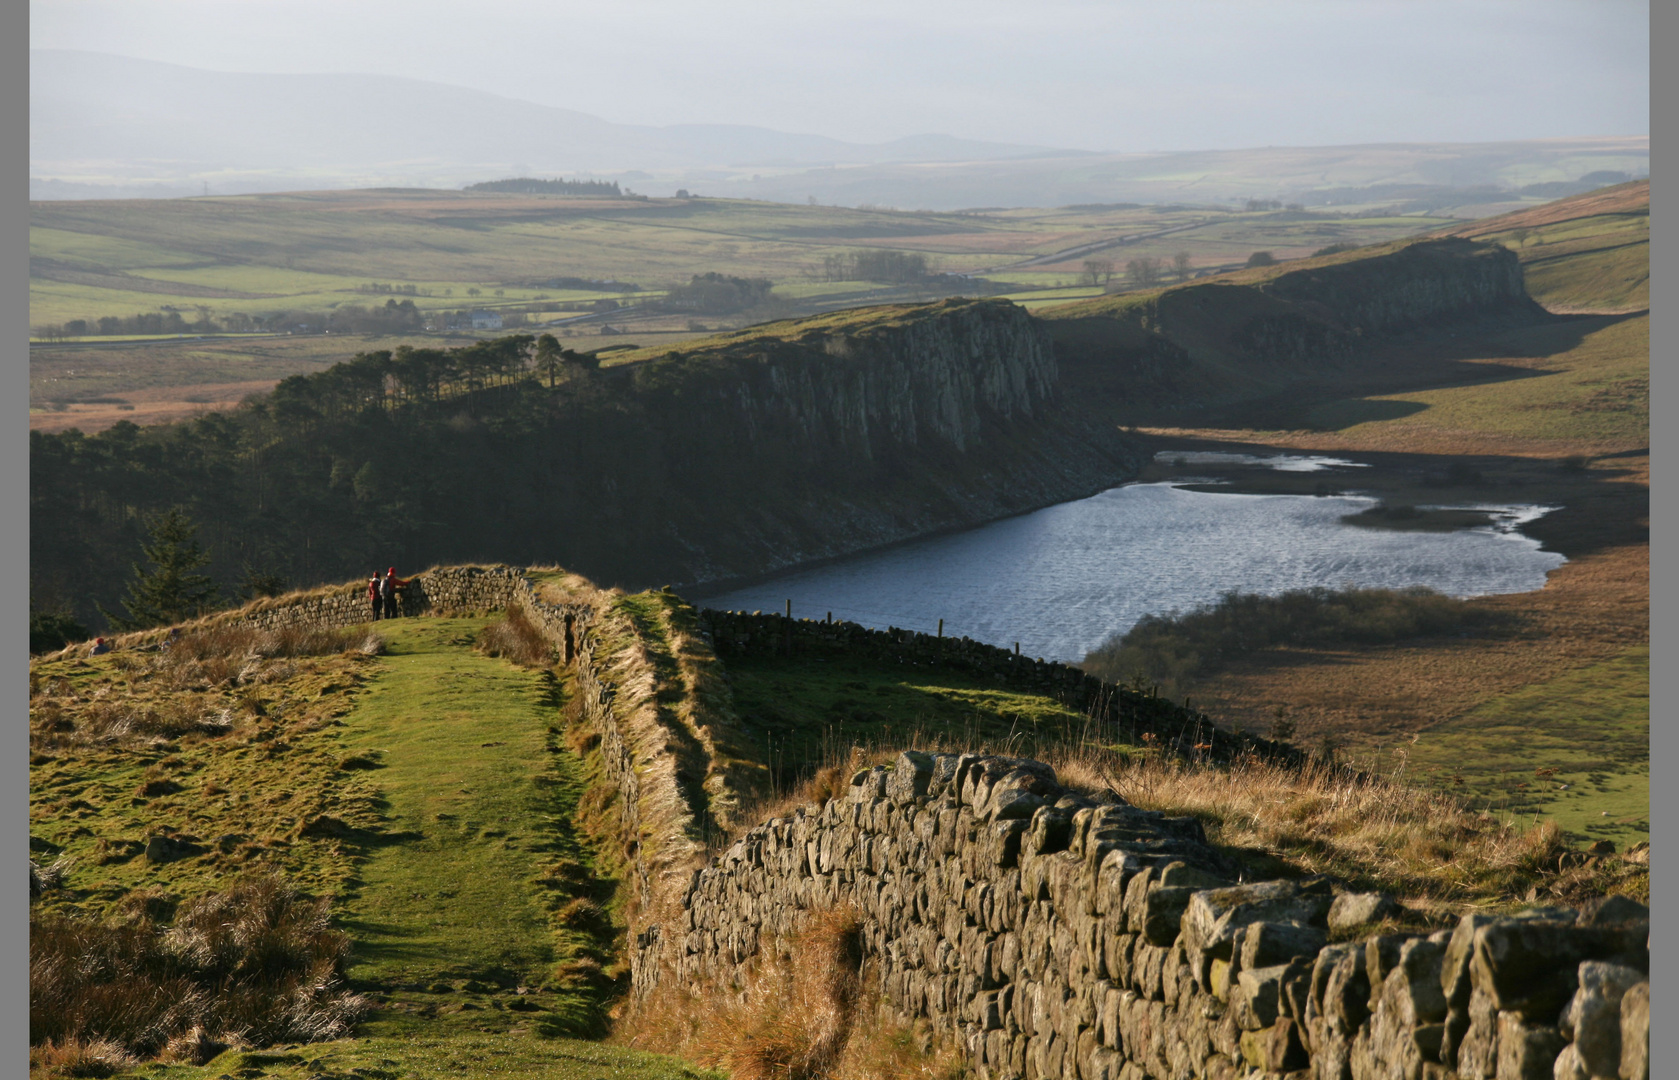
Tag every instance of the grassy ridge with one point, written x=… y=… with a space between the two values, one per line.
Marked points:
x=424 y=790
x=1589 y=252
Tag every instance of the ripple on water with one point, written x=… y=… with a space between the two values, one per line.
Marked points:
x=1278 y=462
x=1061 y=579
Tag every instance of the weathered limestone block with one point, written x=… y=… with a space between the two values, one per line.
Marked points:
x=1276 y=1049
x=1526 y=1051
x=1265 y=944
x=1357 y=909
x=1160 y=912
x=1256 y=997
x=1635 y=1033
x=1592 y=1019
x=1531 y=965
x=1213 y=916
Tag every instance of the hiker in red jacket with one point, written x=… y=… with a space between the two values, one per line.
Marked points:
x=388 y=589
x=375 y=596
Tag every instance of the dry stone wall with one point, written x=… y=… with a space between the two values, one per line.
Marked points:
x=1125 y=713
x=1060 y=936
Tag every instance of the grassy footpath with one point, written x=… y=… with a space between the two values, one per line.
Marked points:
x=479 y=927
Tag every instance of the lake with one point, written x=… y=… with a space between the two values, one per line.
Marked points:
x=1061 y=580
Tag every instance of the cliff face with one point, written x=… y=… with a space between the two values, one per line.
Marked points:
x=867 y=389
x=749 y=453
x=811 y=440
x=1251 y=333
x=1426 y=281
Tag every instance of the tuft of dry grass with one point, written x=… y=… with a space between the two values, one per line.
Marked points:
x=256 y=963
x=514 y=637
x=79 y=1058
x=1364 y=828
x=801 y=1014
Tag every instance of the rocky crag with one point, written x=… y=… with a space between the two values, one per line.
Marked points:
x=807 y=440
x=1252 y=333
x=1062 y=936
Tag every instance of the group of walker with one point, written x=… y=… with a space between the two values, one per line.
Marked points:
x=381 y=593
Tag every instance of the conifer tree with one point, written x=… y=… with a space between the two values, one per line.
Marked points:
x=548 y=357
x=170 y=591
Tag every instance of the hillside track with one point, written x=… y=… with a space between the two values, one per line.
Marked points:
x=477 y=917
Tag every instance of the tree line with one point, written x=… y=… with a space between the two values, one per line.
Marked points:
x=393 y=317
x=719 y=294
x=529 y=185
x=1143 y=272
x=879 y=265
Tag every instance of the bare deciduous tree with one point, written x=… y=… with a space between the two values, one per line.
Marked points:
x=1098 y=271
x=1180 y=265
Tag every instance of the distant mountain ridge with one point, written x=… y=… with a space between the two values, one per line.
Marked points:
x=105 y=126
x=89 y=109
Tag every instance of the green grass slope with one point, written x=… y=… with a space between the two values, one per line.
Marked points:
x=425 y=790
x=1586 y=253
x=1580 y=386
x=1575 y=749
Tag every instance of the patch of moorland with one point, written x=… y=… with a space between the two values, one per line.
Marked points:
x=1574 y=749
x=422 y=798
x=222 y=746
x=1580 y=388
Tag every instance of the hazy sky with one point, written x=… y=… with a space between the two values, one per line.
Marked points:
x=1122 y=75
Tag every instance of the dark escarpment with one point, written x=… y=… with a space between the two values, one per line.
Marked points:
x=1249 y=334
x=753 y=452
x=813 y=439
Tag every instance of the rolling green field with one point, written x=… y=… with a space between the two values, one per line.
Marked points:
x=804 y=712
x=274 y=252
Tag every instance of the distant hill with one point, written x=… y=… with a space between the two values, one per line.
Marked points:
x=119 y=126
x=104 y=126
x=1472 y=179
